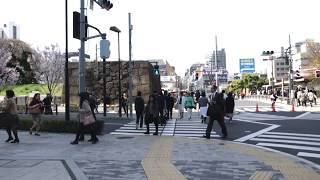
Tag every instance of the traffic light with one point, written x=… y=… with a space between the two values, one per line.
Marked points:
x=104 y=48
x=76 y=25
x=156 y=70
x=197 y=76
x=267 y=53
x=105 y=4
x=317 y=73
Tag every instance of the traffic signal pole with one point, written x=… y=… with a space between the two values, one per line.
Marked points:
x=290 y=94
x=82 y=47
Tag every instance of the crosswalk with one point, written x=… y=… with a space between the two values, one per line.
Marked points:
x=174 y=127
x=261 y=109
x=304 y=145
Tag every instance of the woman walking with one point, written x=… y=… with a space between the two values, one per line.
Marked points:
x=86 y=119
x=229 y=106
x=203 y=104
x=152 y=114
x=11 y=117
x=189 y=104
x=180 y=103
x=36 y=108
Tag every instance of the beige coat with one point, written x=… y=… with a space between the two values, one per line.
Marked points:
x=84 y=111
x=10 y=106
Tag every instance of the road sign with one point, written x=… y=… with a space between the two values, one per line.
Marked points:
x=247 y=65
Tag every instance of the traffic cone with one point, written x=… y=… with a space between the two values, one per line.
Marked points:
x=292 y=110
x=257 y=108
x=273 y=107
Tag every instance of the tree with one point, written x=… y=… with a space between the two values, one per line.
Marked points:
x=313 y=53
x=50 y=69
x=19 y=57
x=8 y=75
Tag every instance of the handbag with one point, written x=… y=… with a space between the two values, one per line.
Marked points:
x=88 y=119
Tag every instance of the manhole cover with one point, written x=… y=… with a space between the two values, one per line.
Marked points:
x=125 y=137
x=221 y=144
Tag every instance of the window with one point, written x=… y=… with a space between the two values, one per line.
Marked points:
x=282 y=63
x=14 y=33
x=278 y=69
x=282 y=69
x=278 y=64
x=287 y=69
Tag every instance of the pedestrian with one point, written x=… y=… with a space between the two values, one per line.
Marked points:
x=170 y=105
x=203 y=104
x=139 y=108
x=160 y=99
x=47 y=104
x=152 y=114
x=10 y=117
x=124 y=103
x=224 y=95
x=94 y=104
x=166 y=103
x=230 y=106
x=216 y=112
x=310 y=97
x=197 y=95
x=36 y=108
x=315 y=97
x=189 y=104
x=180 y=102
x=86 y=119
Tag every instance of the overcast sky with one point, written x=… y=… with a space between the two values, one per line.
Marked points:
x=179 y=31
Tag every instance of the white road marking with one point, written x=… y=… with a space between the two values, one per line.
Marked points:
x=293 y=134
x=290 y=137
x=289 y=146
x=302 y=115
x=249 y=136
x=305 y=154
x=285 y=141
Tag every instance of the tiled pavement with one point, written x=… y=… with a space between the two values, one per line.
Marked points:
x=119 y=157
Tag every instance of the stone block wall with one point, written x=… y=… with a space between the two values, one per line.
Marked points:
x=142 y=77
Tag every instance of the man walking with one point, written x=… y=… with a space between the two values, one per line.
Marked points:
x=216 y=112
x=139 y=107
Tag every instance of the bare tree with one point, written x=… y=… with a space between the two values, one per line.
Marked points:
x=313 y=53
x=8 y=75
x=50 y=69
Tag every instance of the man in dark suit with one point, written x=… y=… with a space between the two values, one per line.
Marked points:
x=216 y=112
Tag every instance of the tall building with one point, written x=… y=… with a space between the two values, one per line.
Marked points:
x=10 y=31
x=221 y=59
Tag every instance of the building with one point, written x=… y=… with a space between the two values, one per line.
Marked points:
x=10 y=31
x=280 y=69
x=302 y=59
x=221 y=59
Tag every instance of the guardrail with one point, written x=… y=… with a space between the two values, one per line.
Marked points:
x=267 y=97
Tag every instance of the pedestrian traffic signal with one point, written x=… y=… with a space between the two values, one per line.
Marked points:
x=76 y=25
x=197 y=76
x=156 y=70
x=317 y=73
x=267 y=53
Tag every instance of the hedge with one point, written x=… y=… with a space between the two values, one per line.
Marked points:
x=58 y=126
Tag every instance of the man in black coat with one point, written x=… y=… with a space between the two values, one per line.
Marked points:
x=139 y=108
x=216 y=112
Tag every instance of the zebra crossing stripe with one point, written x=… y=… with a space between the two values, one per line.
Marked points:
x=289 y=146
x=293 y=134
x=250 y=136
x=305 y=154
x=290 y=137
x=285 y=141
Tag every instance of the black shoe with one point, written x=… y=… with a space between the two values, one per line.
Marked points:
x=15 y=141
x=37 y=134
x=205 y=136
x=146 y=132
x=95 y=141
x=155 y=133
x=9 y=139
x=74 y=142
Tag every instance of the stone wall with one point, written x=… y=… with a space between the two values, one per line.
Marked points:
x=142 y=77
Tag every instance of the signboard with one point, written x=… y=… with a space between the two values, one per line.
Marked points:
x=168 y=78
x=247 y=65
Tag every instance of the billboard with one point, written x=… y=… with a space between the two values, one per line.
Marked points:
x=247 y=65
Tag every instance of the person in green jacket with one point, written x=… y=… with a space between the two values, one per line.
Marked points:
x=189 y=104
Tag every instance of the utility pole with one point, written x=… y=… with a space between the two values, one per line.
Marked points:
x=216 y=61
x=130 y=65
x=66 y=70
x=290 y=95
x=82 y=82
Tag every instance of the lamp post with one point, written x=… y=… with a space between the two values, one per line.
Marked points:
x=115 y=29
x=66 y=75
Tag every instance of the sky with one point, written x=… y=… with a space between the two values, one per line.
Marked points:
x=179 y=31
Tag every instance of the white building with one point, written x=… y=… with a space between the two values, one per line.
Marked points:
x=10 y=31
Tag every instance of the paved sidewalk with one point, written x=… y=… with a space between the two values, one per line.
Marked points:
x=50 y=156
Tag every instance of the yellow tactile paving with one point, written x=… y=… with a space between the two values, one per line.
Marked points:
x=289 y=169
x=261 y=175
x=157 y=164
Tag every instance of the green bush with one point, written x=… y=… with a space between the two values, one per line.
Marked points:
x=57 y=126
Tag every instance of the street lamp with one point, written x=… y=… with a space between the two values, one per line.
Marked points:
x=115 y=29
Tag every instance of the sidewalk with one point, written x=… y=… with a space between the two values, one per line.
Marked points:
x=51 y=157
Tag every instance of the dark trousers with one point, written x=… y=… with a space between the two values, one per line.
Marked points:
x=139 y=116
x=169 y=115
x=156 y=123
x=125 y=109
x=81 y=131
x=14 y=131
x=220 y=120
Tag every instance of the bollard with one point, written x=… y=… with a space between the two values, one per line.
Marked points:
x=56 y=109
